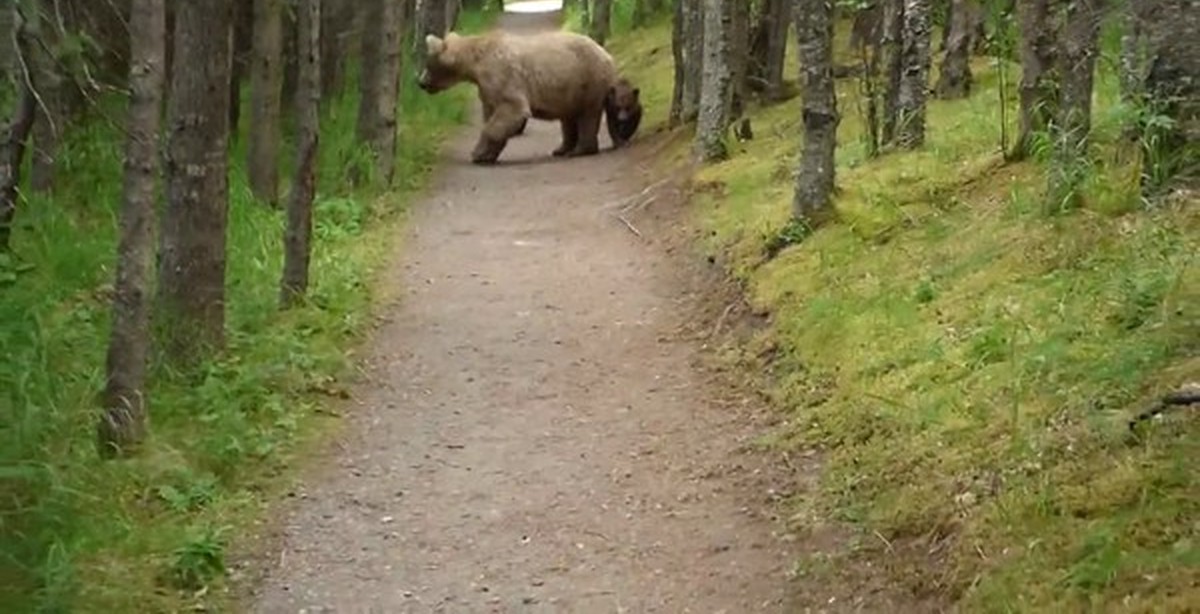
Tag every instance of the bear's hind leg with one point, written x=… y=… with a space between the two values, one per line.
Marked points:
x=588 y=125
x=570 y=136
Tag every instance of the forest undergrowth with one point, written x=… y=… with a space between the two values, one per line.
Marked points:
x=966 y=359
x=151 y=534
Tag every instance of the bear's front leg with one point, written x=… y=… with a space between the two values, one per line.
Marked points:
x=570 y=136
x=501 y=126
x=588 y=128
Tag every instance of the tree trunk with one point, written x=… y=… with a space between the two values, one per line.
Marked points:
x=716 y=84
x=192 y=265
x=693 y=54
x=675 y=116
x=954 y=80
x=1077 y=55
x=777 y=36
x=49 y=84
x=892 y=38
x=914 y=79
x=13 y=141
x=1039 y=84
x=380 y=81
x=1172 y=89
x=336 y=24
x=297 y=240
x=601 y=20
x=265 y=81
x=124 y=421
x=739 y=51
x=812 y=201
x=244 y=36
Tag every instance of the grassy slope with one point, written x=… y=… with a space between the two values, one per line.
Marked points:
x=77 y=535
x=968 y=363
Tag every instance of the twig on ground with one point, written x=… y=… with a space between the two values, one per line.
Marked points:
x=629 y=225
x=721 y=320
x=885 y=541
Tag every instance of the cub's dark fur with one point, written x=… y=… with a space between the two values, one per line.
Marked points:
x=622 y=112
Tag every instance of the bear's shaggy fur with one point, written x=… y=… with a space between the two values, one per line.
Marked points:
x=550 y=76
x=622 y=112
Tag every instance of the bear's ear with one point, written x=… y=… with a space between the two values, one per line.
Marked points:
x=434 y=45
x=636 y=92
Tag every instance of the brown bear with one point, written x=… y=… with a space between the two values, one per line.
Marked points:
x=622 y=112
x=550 y=76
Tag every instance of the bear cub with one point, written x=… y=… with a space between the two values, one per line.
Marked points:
x=622 y=112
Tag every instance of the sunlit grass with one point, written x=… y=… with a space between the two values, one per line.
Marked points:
x=967 y=363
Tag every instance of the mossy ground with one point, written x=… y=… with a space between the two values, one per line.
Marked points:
x=152 y=534
x=966 y=361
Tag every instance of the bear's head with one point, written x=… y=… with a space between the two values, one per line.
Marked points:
x=443 y=61
x=624 y=99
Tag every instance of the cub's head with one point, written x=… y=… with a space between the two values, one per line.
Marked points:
x=623 y=98
x=443 y=63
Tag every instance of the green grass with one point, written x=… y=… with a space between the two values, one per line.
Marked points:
x=966 y=362
x=152 y=534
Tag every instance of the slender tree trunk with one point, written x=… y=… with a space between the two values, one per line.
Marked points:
x=892 y=38
x=693 y=54
x=243 y=44
x=717 y=83
x=739 y=52
x=601 y=21
x=192 y=266
x=297 y=241
x=1039 y=83
x=49 y=85
x=914 y=80
x=777 y=36
x=1078 y=51
x=380 y=82
x=955 y=79
x=812 y=201
x=14 y=138
x=125 y=419
x=336 y=24
x=265 y=82
x=675 y=117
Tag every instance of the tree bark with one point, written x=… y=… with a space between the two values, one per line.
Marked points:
x=49 y=85
x=891 y=48
x=812 y=201
x=380 y=82
x=601 y=21
x=739 y=52
x=780 y=17
x=914 y=79
x=693 y=54
x=716 y=84
x=1039 y=84
x=1077 y=55
x=337 y=18
x=243 y=45
x=123 y=424
x=192 y=265
x=955 y=79
x=679 y=77
x=297 y=240
x=14 y=139
x=265 y=81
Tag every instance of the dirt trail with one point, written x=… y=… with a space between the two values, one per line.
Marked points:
x=532 y=436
